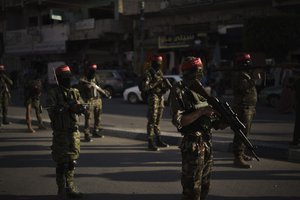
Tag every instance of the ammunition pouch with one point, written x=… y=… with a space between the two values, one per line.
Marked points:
x=203 y=124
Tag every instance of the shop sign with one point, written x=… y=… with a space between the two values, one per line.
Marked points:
x=181 y=40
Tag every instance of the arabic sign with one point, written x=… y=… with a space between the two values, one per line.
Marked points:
x=181 y=40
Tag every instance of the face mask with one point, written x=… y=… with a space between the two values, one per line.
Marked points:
x=155 y=65
x=194 y=74
x=65 y=82
x=91 y=74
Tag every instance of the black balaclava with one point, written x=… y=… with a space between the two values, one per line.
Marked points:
x=155 y=65
x=91 y=74
x=64 y=81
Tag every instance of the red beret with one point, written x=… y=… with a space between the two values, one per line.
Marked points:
x=157 y=58
x=194 y=63
x=63 y=69
x=93 y=66
x=242 y=57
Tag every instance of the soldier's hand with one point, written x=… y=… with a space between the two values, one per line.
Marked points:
x=78 y=109
x=207 y=111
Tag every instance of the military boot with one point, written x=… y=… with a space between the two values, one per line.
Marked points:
x=152 y=146
x=87 y=138
x=5 y=121
x=61 y=193
x=73 y=193
x=71 y=190
x=42 y=126
x=241 y=163
x=160 y=143
x=96 y=133
x=61 y=182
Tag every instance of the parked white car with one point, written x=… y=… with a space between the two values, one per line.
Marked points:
x=133 y=94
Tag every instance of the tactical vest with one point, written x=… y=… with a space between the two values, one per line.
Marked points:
x=191 y=101
x=59 y=101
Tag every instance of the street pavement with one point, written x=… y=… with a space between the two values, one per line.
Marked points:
x=271 y=131
x=119 y=166
x=115 y=168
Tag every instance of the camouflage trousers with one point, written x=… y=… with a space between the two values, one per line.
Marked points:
x=4 y=100
x=196 y=167
x=245 y=114
x=296 y=136
x=95 y=109
x=65 y=146
x=65 y=174
x=155 y=111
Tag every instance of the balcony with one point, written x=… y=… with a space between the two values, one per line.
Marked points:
x=94 y=29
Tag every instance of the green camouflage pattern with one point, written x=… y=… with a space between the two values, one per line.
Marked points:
x=245 y=114
x=244 y=90
x=93 y=98
x=245 y=99
x=5 y=97
x=155 y=87
x=66 y=135
x=196 y=147
x=296 y=135
x=153 y=82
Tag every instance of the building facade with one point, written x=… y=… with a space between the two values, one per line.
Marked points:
x=211 y=29
x=36 y=32
x=124 y=33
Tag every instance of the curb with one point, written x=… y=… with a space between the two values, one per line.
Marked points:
x=221 y=144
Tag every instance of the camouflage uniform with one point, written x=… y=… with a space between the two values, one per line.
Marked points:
x=62 y=106
x=155 y=88
x=92 y=97
x=196 y=145
x=5 y=97
x=296 y=136
x=32 y=94
x=245 y=98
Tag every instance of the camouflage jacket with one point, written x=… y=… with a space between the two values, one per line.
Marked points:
x=5 y=82
x=244 y=90
x=183 y=101
x=59 y=101
x=153 y=82
x=88 y=92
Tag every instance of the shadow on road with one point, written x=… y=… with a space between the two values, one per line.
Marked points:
x=108 y=196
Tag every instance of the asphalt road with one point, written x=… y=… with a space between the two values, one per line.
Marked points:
x=116 y=168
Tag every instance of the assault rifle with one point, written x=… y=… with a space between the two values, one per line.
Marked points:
x=227 y=114
x=73 y=107
x=99 y=89
x=165 y=80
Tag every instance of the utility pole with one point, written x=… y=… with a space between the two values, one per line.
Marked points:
x=142 y=19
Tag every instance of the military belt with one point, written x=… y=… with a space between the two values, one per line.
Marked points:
x=197 y=137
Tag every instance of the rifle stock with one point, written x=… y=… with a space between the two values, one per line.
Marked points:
x=228 y=115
